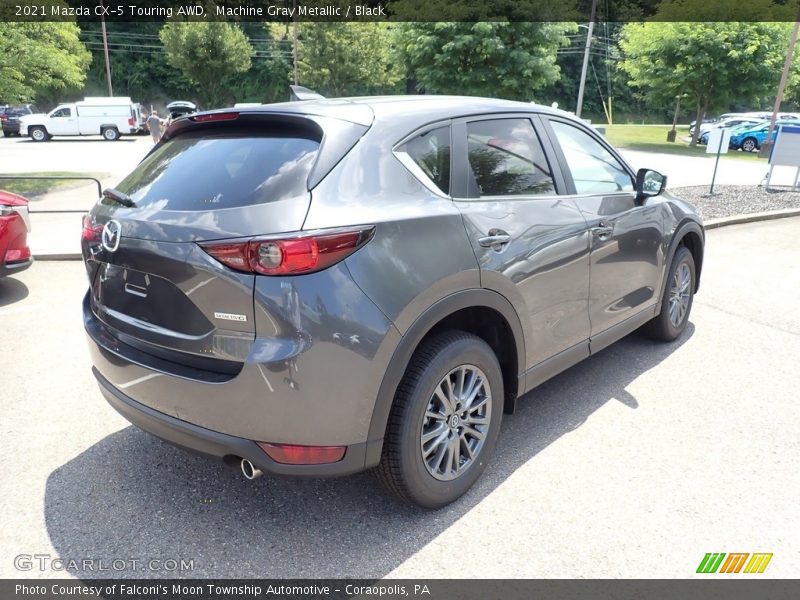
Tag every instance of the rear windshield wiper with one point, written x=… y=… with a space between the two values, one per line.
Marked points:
x=119 y=197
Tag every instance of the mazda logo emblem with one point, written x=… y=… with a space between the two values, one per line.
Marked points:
x=111 y=234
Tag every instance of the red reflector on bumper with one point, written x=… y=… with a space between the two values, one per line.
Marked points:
x=289 y=454
x=18 y=254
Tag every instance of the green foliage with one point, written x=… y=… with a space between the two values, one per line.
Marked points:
x=139 y=67
x=210 y=54
x=713 y=63
x=40 y=60
x=503 y=60
x=269 y=76
x=480 y=10
x=340 y=59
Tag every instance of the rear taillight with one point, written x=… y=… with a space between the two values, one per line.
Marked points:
x=131 y=121
x=289 y=454
x=92 y=232
x=290 y=256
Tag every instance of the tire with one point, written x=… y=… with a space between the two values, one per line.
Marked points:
x=749 y=144
x=110 y=134
x=38 y=134
x=403 y=468
x=676 y=300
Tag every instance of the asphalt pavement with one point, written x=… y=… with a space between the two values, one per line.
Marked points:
x=634 y=463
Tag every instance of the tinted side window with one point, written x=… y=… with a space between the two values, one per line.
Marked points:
x=594 y=169
x=64 y=112
x=431 y=152
x=506 y=159
x=224 y=168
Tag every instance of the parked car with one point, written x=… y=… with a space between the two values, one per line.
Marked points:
x=180 y=108
x=11 y=118
x=318 y=288
x=750 y=139
x=109 y=117
x=704 y=122
x=15 y=225
x=728 y=123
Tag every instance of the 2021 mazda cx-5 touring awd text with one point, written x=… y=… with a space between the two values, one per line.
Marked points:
x=321 y=287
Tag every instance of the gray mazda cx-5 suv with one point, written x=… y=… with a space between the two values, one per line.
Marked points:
x=321 y=287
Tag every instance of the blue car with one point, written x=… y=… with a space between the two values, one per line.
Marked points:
x=750 y=139
x=727 y=123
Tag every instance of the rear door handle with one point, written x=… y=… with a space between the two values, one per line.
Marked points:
x=602 y=231
x=495 y=239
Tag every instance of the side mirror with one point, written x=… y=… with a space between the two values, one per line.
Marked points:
x=649 y=183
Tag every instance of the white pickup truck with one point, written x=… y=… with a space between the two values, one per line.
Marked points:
x=109 y=117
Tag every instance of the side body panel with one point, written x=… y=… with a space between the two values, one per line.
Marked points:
x=544 y=268
x=628 y=240
x=420 y=252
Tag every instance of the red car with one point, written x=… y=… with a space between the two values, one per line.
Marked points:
x=15 y=256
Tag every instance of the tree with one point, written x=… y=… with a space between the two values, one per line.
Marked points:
x=341 y=59
x=139 y=66
x=210 y=54
x=714 y=63
x=40 y=60
x=496 y=59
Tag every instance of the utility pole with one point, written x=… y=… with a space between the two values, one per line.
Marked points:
x=586 y=59
x=787 y=65
x=294 y=42
x=105 y=51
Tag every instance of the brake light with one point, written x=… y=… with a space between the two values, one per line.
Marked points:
x=290 y=256
x=131 y=121
x=289 y=454
x=92 y=231
x=224 y=116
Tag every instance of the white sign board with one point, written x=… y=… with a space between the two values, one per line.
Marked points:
x=718 y=141
x=786 y=149
x=785 y=152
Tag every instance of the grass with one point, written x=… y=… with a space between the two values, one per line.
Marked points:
x=653 y=138
x=37 y=187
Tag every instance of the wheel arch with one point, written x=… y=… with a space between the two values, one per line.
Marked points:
x=482 y=312
x=690 y=234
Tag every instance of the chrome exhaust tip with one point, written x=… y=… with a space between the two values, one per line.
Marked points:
x=249 y=470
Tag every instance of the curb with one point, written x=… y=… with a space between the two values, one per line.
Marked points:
x=752 y=218
x=58 y=256
x=710 y=224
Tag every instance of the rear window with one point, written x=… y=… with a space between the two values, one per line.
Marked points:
x=224 y=168
x=431 y=152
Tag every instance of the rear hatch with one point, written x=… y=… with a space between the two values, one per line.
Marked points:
x=242 y=176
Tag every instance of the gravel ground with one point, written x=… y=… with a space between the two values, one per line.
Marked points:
x=730 y=200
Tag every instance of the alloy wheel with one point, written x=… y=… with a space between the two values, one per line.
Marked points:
x=679 y=294
x=456 y=422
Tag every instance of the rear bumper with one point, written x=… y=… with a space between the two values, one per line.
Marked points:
x=14 y=268
x=219 y=445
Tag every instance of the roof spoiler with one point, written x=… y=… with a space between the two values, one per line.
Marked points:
x=298 y=92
